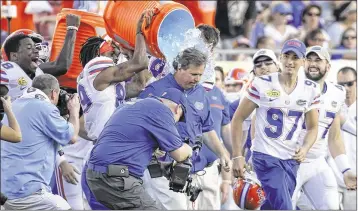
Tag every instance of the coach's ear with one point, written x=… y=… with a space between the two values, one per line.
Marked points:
x=13 y=56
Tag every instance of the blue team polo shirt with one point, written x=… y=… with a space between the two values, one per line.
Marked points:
x=233 y=106
x=133 y=133
x=221 y=116
x=198 y=119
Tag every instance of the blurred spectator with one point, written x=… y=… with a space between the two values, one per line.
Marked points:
x=348 y=41
x=265 y=42
x=263 y=14
x=311 y=20
x=4 y=34
x=278 y=29
x=11 y=133
x=23 y=19
x=299 y=6
x=234 y=18
x=241 y=43
x=316 y=37
x=27 y=167
x=347 y=14
x=219 y=77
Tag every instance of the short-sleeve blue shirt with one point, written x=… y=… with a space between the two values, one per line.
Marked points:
x=133 y=133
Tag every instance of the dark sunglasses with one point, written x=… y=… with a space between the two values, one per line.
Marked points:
x=284 y=14
x=350 y=37
x=261 y=63
x=349 y=83
x=313 y=14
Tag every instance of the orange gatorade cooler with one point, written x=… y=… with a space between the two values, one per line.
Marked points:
x=164 y=35
x=91 y=25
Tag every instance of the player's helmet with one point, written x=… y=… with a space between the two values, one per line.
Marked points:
x=236 y=75
x=38 y=40
x=248 y=195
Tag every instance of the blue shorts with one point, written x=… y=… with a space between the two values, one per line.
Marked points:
x=278 y=179
x=93 y=203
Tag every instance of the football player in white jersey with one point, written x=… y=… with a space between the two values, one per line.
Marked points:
x=21 y=68
x=282 y=102
x=314 y=176
x=347 y=77
x=64 y=60
x=103 y=83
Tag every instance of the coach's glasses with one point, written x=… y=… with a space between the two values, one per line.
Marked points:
x=348 y=83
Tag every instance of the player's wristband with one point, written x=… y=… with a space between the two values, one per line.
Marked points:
x=72 y=28
x=240 y=156
x=342 y=163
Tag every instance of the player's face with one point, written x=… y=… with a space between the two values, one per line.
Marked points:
x=27 y=56
x=218 y=79
x=191 y=76
x=264 y=65
x=349 y=81
x=236 y=87
x=291 y=63
x=315 y=67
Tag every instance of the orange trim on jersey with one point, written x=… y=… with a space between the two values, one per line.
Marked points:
x=217 y=106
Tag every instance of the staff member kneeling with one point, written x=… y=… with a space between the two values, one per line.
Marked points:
x=125 y=147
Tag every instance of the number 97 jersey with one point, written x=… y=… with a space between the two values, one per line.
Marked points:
x=98 y=106
x=279 y=116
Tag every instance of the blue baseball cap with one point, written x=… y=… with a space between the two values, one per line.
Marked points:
x=283 y=8
x=176 y=96
x=296 y=46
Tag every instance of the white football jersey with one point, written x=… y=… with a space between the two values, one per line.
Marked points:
x=98 y=106
x=331 y=101
x=15 y=78
x=279 y=116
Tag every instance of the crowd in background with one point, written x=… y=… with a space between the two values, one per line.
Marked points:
x=242 y=24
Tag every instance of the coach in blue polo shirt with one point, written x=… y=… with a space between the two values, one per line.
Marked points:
x=125 y=147
x=189 y=66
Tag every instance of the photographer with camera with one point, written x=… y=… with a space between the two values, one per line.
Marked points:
x=120 y=155
x=11 y=133
x=27 y=167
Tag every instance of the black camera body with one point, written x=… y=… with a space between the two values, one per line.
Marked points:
x=178 y=174
x=62 y=102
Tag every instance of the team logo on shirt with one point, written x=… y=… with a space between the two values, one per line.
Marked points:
x=301 y=102
x=22 y=81
x=334 y=104
x=199 y=105
x=214 y=98
x=273 y=93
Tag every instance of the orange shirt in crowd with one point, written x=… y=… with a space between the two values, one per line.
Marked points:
x=22 y=21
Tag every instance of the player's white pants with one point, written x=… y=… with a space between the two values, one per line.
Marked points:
x=317 y=180
x=158 y=189
x=72 y=193
x=209 y=198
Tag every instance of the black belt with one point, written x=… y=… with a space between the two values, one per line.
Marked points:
x=104 y=169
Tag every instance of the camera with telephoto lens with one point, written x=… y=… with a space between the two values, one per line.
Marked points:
x=62 y=102
x=3 y=199
x=178 y=174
